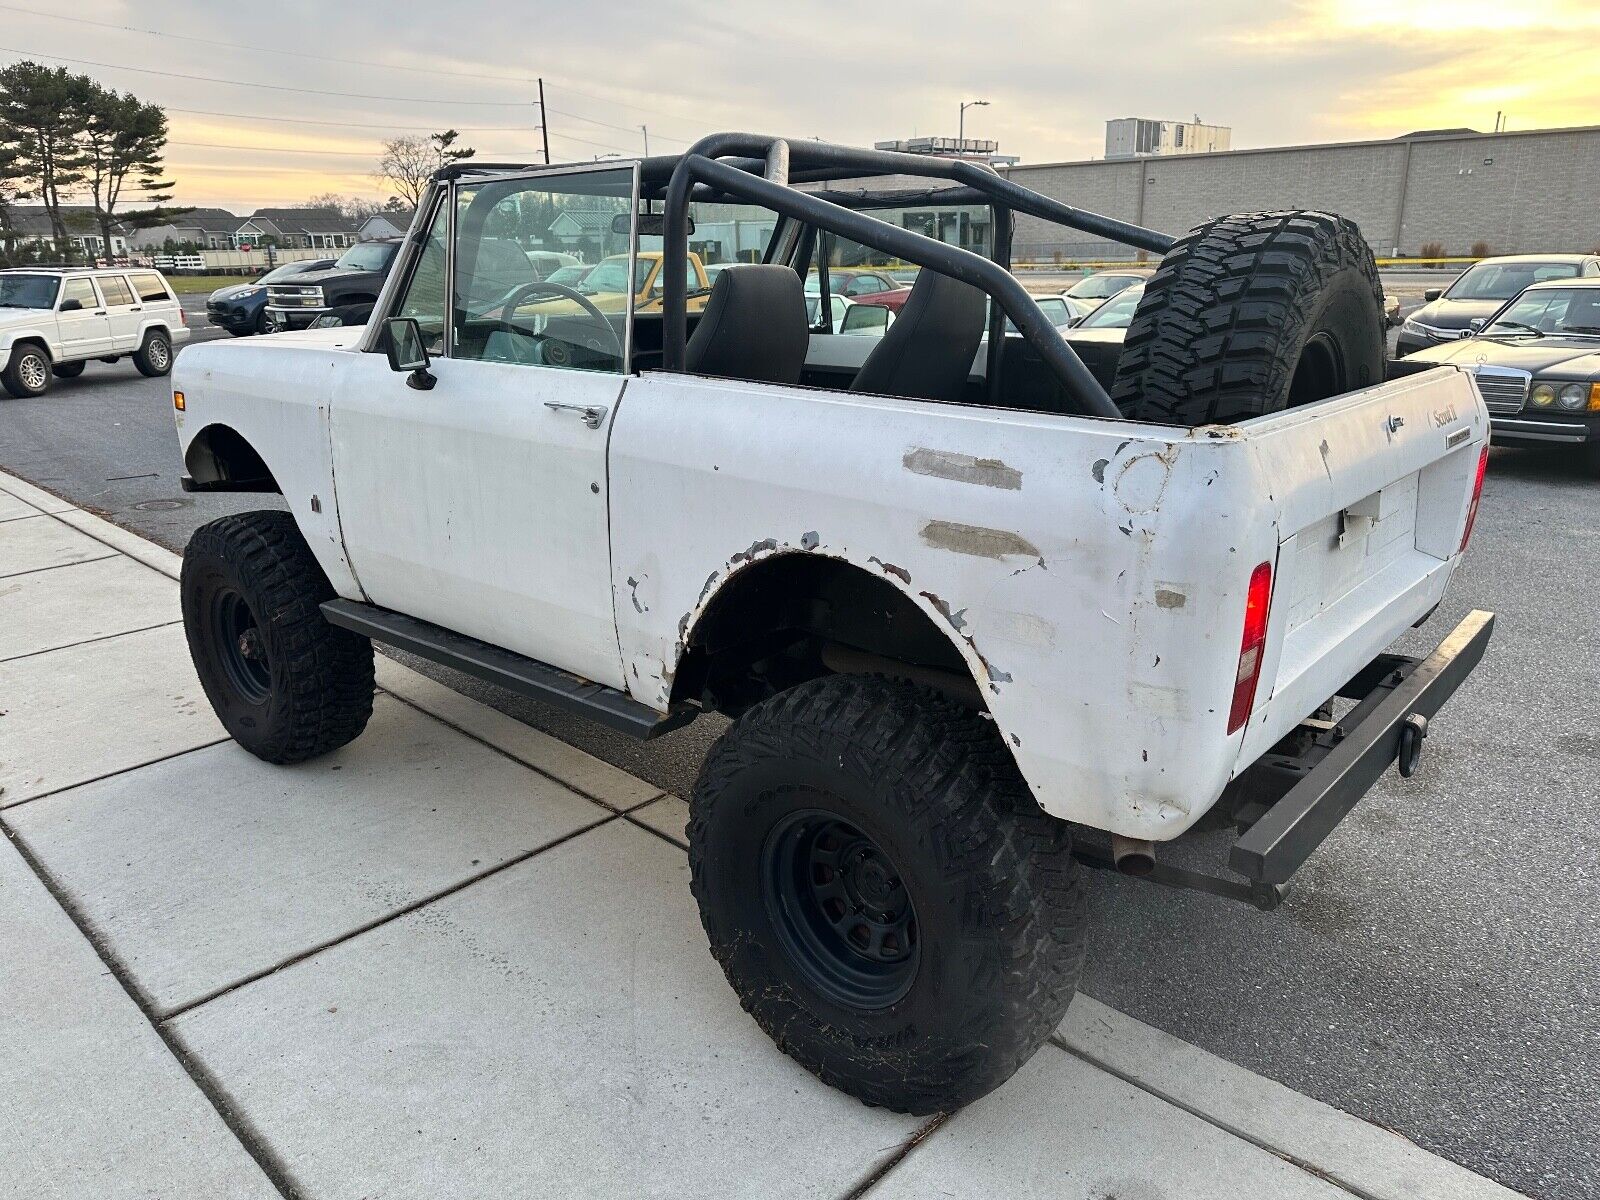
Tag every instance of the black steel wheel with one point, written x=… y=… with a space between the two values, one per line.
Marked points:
x=286 y=685
x=883 y=893
x=840 y=908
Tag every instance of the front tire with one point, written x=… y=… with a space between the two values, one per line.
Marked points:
x=153 y=358
x=27 y=373
x=286 y=685
x=883 y=893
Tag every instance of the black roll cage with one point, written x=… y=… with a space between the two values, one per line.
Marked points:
x=762 y=169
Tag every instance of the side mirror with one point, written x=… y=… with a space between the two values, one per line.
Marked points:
x=71 y=305
x=1432 y=293
x=408 y=352
x=1477 y=323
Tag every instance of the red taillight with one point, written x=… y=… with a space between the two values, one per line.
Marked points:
x=1258 y=599
x=1477 y=491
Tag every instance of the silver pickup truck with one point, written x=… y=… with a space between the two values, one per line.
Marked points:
x=976 y=620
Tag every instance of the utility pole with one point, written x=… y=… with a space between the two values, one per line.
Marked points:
x=645 y=129
x=544 y=122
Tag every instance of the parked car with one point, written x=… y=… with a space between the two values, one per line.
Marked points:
x=951 y=627
x=1537 y=363
x=54 y=321
x=345 y=314
x=1098 y=337
x=836 y=304
x=1103 y=285
x=546 y=263
x=241 y=308
x=856 y=283
x=1480 y=290
x=356 y=277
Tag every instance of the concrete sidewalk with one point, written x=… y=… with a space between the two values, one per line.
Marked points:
x=460 y=958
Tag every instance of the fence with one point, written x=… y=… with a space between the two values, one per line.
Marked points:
x=230 y=262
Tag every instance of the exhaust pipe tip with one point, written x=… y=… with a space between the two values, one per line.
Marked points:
x=1133 y=856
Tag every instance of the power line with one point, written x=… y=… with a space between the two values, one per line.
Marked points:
x=273 y=87
x=204 y=112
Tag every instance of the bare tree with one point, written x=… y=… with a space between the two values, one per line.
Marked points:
x=408 y=163
x=354 y=208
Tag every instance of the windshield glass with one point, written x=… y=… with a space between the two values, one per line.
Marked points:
x=1572 y=311
x=368 y=256
x=1098 y=287
x=1115 y=313
x=1501 y=281
x=27 y=291
x=281 y=273
x=611 y=275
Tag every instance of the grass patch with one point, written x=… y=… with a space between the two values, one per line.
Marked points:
x=188 y=285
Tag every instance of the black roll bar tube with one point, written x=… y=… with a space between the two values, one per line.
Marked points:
x=1000 y=285
x=1000 y=252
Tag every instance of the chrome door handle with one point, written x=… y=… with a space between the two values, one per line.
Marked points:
x=592 y=414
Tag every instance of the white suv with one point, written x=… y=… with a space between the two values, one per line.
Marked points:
x=53 y=320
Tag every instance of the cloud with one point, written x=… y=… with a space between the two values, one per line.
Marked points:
x=1310 y=71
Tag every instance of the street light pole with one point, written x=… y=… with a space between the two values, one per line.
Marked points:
x=961 y=125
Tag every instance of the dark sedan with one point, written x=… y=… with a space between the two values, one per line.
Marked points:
x=241 y=308
x=1537 y=361
x=1479 y=291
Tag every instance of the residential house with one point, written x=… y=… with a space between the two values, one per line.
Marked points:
x=297 y=229
x=204 y=228
x=30 y=225
x=574 y=226
x=386 y=224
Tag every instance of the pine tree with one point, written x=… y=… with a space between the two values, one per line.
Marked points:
x=44 y=111
x=122 y=144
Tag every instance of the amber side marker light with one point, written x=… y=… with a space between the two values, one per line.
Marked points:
x=177 y=401
x=1258 y=599
x=1594 y=397
x=1477 y=494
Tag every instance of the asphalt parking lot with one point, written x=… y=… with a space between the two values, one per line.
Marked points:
x=1433 y=967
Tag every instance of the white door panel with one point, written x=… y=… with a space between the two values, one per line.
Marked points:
x=85 y=332
x=476 y=507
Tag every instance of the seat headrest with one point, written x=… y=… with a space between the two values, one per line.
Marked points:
x=927 y=353
x=754 y=326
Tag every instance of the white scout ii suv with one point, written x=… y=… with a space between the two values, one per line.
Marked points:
x=977 y=621
x=54 y=320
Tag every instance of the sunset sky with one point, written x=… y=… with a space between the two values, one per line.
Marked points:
x=1316 y=71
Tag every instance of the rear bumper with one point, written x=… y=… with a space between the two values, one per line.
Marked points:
x=1289 y=802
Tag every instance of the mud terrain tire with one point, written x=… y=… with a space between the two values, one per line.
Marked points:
x=286 y=685
x=1251 y=314
x=857 y=798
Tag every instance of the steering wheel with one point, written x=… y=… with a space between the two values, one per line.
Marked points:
x=521 y=293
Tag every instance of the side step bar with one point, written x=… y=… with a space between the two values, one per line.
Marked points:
x=505 y=668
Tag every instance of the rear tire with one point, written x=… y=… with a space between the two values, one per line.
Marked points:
x=883 y=893
x=1251 y=314
x=286 y=685
x=154 y=355
x=68 y=370
x=27 y=373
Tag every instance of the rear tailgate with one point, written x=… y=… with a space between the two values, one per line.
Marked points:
x=1371 y=492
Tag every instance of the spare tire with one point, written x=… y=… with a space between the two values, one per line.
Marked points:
x=1251 y=314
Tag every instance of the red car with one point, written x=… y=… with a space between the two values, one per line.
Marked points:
x=862 y=285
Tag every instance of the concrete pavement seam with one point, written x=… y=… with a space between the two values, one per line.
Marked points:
x=77 y=562
x=89 y=641
x=878 y=1173
x=67 y=787
x=254 y=1144
x=1213 y=1120
x=406 y=910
